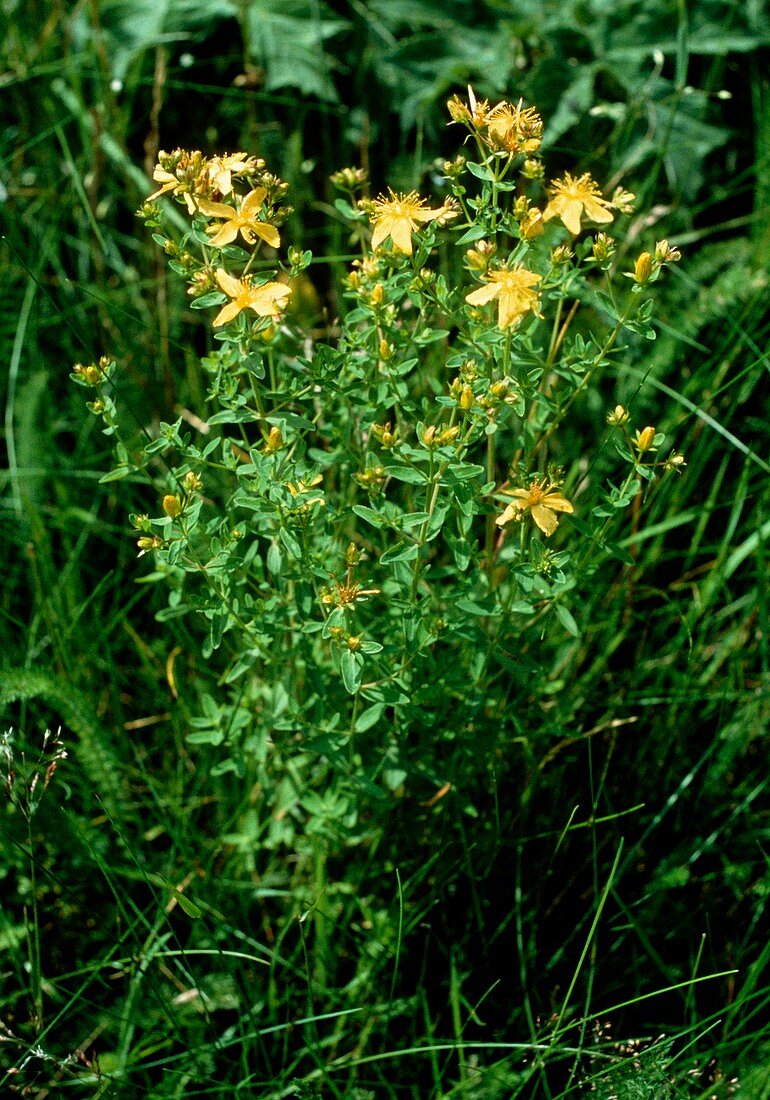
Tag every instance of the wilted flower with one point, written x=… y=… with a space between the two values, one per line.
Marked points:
x=179 y=173
x=675 y=461
x=603 y=248
x=531 y=225
x=514 y=129
x=666 y=253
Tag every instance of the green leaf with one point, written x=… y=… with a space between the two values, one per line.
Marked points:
x=213 y=298
x=407 y=473
x=481 y=172
x=287 y=37
x=117 y=474
x=234 y=416
x=369 y=717
x=375 y=518
x=185 y=903
x=274 y=559
x=352 y=668
x=402 y=551
x=567 y=620
x=291 y=544
x=463 y=471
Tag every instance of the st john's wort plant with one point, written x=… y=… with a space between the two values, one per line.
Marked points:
x=383 y=531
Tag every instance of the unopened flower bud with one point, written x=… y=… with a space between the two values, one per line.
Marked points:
x=429 y=435
x=562 y=254
x=448 y=435
x=643 y=268
x=603 y=248
x=172 y=505
x=90 y=374
x=386 y=351
x=377 y=296
x=644 y=439
x=466 y=398
x=149 y=542
x=352 y=555
x=476 y=258
x=274 y=440
x=191 y=482
x=533 y=169
x=458 y=110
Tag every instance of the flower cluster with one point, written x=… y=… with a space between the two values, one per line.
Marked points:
x=519 y=260
x=250 y=217
x=505 y=128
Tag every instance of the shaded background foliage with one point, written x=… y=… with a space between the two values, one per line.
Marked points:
x=663 y=701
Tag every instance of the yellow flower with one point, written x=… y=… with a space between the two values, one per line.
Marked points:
x=243 y=221
x=399 y=216
x=222 y=169
x=266 y=300
x=513 y=290
x=543 y=503
x=576 y=198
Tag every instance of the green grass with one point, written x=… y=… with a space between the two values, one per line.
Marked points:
x=585 y=912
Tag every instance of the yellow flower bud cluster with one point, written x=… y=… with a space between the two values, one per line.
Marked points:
x=644 y=441
x=647 y=267
x=93 y=374
x=432 y=437
x=387 y=438
x=349 y=179
x=372 y=480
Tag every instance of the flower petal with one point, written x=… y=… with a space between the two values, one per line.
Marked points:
x=252 y=203
x=401 y=235
x=232 y=287
x=381 y=231
x=483 y=294
x=544 y=518
x=226 y=313
x=557 y=503
x=267 y=232
x=227 y=233
x=216 y=209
